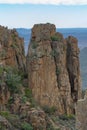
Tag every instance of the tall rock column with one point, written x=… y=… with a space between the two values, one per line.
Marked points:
x=73 y=67
x=47 y=65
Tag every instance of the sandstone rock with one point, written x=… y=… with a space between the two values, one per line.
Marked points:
x=11 y=49
x=81 y=114
x=37 y=118
x=18 y=106
x=73 y=67
x=4 y=124
x=53 y=68
x=15 y=103
x=4 y=92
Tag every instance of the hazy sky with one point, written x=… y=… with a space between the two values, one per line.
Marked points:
x=25 y=13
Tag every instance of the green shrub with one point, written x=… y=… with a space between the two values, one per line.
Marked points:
x=9 y=69
x=49 y=110
x=52 y=128
x=4 y=113
x=2 y=127
x=71 y=116
x=14 y=120
x=11 y=100
x=54 y=53
x=3 y=53
x=14 y=37
x=23 y=75
x=55 y=38
x=13 y=81
x=34 y=45
x=63 y=117
x=28 y=93
x=26 y=126
x=58 y=71
x=24 y=99
x=11 y=77
x=67 y=117
x=33 y=102
x=14 y=46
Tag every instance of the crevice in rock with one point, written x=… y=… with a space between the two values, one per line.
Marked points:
x=55 y=62
x=17 y=60
x=72 y=77
x=71 y=80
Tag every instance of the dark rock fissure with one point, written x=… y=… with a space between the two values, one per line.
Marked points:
x=72 y=67
x=17 y=60
x=55 y=64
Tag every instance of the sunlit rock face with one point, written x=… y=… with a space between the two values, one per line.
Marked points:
x=81 y=114
x=11 y=56
x=11 y=49
x=53 y=68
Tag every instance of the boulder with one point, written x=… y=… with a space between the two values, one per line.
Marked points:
x=37 y=118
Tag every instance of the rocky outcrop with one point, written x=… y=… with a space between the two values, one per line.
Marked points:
x=11 y=56
x=81 y=114
x=4 y=92
x=11 y=49
x=53 y=68
x=37 y=118
x=4 y=124
x=73 y=67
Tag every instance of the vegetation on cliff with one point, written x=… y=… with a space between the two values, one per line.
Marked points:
x=41 y=94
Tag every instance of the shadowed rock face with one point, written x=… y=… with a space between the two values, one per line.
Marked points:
x=11 y=49
x=73 y=67
x=53 y=68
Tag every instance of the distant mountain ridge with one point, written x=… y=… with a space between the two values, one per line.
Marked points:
x=79 y=33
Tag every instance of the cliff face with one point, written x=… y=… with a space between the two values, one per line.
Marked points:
x=73 y=67
x=11 y=49
x=11 y=56
x=81 y=113
x=53 y=68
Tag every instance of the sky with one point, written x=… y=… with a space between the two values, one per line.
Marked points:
x=26 y=13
